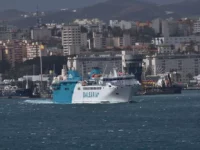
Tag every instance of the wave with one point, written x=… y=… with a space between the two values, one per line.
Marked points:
x=39 y=101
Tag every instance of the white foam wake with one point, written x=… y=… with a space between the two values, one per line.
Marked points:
x=39 y=101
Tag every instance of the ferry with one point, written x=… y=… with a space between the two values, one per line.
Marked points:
x=70 y=88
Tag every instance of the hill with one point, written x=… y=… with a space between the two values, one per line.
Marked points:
x=137 y=10
x=185 y=8
x=126 y=9
x=10 y=14
x=111 y=9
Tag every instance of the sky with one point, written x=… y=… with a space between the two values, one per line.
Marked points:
x=30 y=5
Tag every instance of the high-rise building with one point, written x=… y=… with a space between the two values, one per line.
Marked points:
x=71 y=39
x=196 y=27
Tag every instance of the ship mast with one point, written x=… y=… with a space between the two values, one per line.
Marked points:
x=82 y=72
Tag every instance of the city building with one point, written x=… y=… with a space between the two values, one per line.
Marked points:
x=83 y=22
x=40 y=34
x=169 y=28
x=187 y=65
x=34 y=78
x=157 y=25
x=54 y=51
x=94 y=28
x=103 y=60
x=124 y=25
x=84 y=40
x=132 y=64
x=123 y=42
x=123 y=61
x=196 y=27
x=109 y=42
x=71 y=39
x=175 y=40
x=33 y=51
x=97 y=40
x=185 y=27
x=165 y=49
x=12 y=51
x=7 y=32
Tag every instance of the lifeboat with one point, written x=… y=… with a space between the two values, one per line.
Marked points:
x=96 y=75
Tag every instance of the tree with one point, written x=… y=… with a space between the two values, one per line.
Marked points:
x=84 y=29
x=30 y=66
x=190 y=47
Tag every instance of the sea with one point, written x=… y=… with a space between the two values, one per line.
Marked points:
x=157 y=122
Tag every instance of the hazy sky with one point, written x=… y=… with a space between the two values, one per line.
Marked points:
x=30 y=5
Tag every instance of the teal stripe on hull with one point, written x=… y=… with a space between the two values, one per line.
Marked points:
x=64 y=92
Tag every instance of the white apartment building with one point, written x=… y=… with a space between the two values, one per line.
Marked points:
x=71 y=39
x=196 y=27
x=183 y=64
x=175 y=40
x=40 y=34
x=84 y=63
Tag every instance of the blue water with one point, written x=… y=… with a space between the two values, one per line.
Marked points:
x=167 y=122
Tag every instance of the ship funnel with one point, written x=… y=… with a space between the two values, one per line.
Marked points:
x=64 y=71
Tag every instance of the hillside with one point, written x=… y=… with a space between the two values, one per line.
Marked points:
x=136 y=10
x=10 y=14
x=164 y=2
x=111 y=9
x=185 y=8
x=126 y=9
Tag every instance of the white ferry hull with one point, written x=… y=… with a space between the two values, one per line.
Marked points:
x=107 y=94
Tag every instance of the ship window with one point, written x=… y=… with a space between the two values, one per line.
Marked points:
x=66 y=89
x=91 y=88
